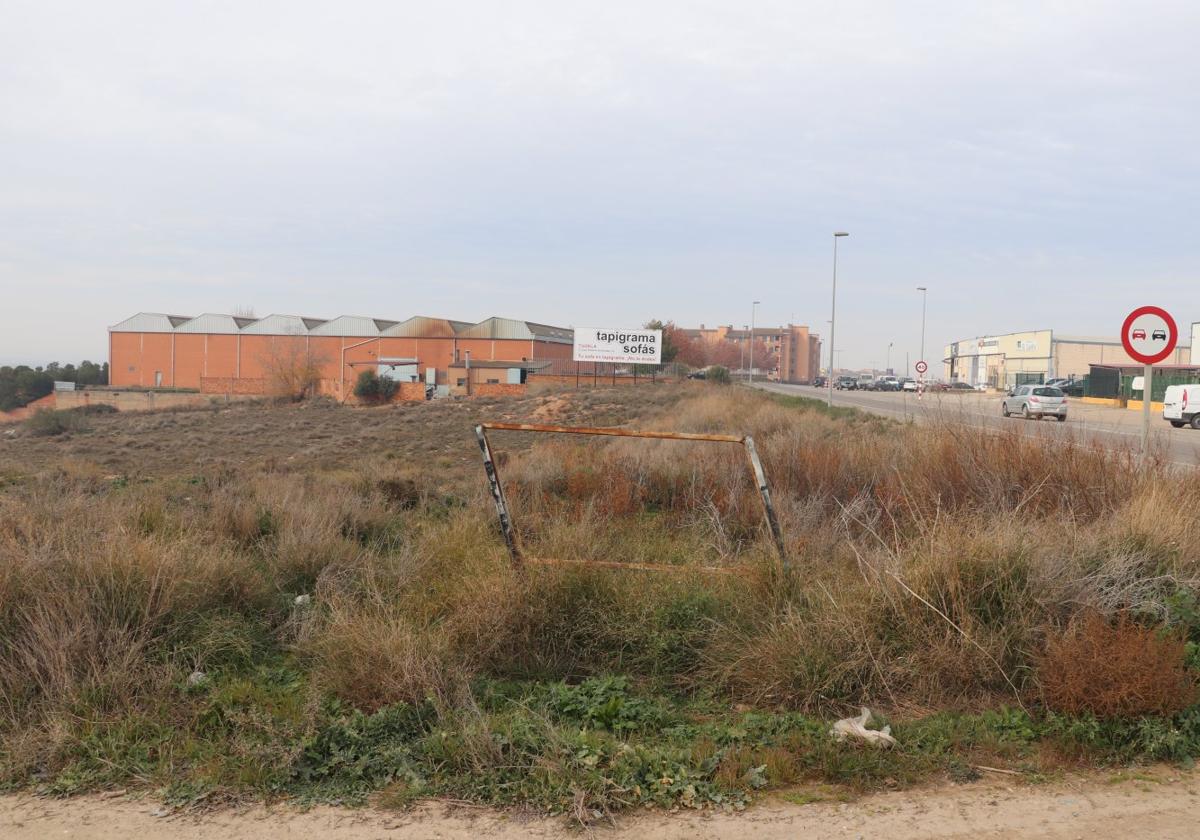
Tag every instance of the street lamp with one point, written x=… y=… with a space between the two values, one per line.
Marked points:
x=833 y=312
x=887 y=369
x=756 y=303
x=924 y=296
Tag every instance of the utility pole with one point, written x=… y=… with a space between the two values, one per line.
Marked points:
x=752 y=306
x=924 y=297
x=833 y=312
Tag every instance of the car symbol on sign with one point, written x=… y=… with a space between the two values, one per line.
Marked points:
x=1138 y=334
x=1159 y=335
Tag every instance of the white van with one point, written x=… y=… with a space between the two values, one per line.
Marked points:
x=1181 y=405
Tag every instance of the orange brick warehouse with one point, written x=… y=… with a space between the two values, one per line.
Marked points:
x=228 y=354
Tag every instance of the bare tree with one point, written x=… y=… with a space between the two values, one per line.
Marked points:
x=291 y=368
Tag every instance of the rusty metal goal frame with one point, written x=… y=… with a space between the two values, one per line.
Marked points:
x=505 y=517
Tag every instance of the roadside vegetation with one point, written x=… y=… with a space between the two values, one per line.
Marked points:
x=338 y=629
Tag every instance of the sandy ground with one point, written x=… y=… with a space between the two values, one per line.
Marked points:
x=1159 y=803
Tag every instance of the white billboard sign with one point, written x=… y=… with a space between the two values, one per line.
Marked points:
x=629 y=346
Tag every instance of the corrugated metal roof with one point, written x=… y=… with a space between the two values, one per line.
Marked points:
x=497 y=328
x=522 y=330
x=350 y=326
x=212 y=323
x=560 y=335
x=280 y=325
x=420 y=326
x=150 y=322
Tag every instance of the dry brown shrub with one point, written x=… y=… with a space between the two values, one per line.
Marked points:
x=400 y=493
x=292 y=368
x=1116 y=669
x=810 y=661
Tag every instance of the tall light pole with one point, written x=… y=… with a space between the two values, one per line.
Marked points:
x=924 y=296
x=833 y=312
x=887 y=369
x=756 y=303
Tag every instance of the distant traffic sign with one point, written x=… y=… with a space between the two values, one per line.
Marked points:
x=921 y=366
x=1149 y=334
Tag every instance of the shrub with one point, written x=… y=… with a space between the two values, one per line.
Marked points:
x=292 y=368
x=373 y=388
x=718 y=374
x=51 y=422
x=400 y=493
x=1116 y=669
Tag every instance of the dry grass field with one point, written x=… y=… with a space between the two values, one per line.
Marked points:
x=318 y=435
x=314 y=602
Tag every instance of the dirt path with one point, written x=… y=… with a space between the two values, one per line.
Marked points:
x=1159 y=803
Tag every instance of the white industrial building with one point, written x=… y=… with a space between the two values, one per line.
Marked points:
x=1004 y=361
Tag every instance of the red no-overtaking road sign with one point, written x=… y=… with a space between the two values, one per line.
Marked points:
x=1149 y=334
x=921 y=366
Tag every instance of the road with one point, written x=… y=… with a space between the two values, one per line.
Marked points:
x=1112 y=428
x=1152 y=802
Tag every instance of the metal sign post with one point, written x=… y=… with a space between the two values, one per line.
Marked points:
x=1147 y=391
x=1148 y=335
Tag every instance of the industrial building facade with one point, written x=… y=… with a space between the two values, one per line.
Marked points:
x=798 y=350
x=227 y=353
x=1005 y=361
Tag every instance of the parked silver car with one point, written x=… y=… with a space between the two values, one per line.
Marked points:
x=1035 y=401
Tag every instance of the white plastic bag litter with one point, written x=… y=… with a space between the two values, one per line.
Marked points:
x=856 y=727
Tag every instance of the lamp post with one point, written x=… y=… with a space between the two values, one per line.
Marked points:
x=887 y=368
x=833 y=312
x=756 y=303
x=924 y=296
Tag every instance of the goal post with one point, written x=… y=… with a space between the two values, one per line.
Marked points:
x=504 y=513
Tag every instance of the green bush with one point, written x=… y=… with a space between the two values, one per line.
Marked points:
x=718 y=374
x=373 y=388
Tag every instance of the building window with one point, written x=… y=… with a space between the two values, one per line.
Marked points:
x=461 y=382
x=493 y=382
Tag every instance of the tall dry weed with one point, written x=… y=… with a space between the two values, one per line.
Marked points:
x=929 y=567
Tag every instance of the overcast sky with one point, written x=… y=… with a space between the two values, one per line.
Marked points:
x=598 y=164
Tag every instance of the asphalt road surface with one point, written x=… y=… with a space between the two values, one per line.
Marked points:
x=1113 y=428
